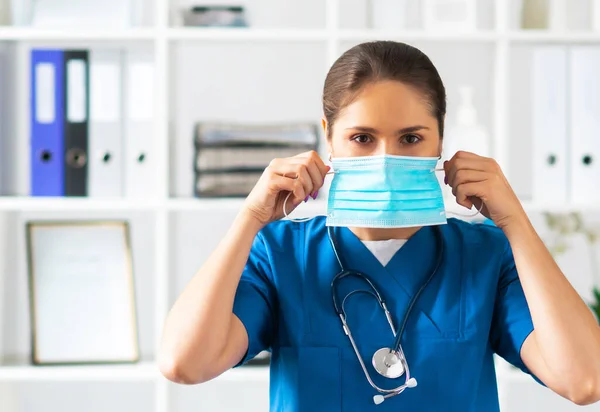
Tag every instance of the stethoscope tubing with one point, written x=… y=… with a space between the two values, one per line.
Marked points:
x=345 y=272
x=340 y=310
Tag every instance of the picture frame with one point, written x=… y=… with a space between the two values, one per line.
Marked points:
x=81 y=293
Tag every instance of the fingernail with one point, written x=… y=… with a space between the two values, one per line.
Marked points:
x=314 y=195
x=306 y=198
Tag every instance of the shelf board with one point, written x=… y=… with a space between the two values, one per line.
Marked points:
x=440 y=36
x=233 y=204
x=125 y=372
x=8 y=203
x=149 y=371
x=70 y=34
x=312 y=207
x=245 y=374
x=122 y=372
x=17 y=33
x=545 y=36
x=197 y=204
x=538 y=207
x=244 y=33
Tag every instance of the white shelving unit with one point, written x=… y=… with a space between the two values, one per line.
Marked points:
x=173 y=214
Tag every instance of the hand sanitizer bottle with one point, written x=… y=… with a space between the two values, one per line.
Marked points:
x=466 y=133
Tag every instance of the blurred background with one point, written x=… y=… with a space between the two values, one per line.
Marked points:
x=147 y=121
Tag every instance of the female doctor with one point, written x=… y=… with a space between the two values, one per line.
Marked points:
x=384 y=304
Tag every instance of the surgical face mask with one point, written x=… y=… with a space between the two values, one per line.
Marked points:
x=385 y=192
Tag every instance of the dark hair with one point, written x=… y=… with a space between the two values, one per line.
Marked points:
x=382 y=60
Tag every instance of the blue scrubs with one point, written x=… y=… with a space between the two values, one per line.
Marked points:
x=473 y=307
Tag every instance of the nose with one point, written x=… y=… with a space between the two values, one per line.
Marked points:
x=388 y=146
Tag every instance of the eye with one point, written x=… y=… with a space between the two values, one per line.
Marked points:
x=362 y=138
x=411 y=138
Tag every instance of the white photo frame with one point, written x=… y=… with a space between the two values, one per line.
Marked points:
x=82 y=298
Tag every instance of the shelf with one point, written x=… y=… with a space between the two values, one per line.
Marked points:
x=9 y=33
x=234 y=204
x=531 y=207
x=193 y=204
x=8 y=203
x=115 y=373
x=537 y=207
x=544 y=36
x=245 y=374
x=71 y=34
x=312 y=207
x=149 y=371
x=141 y=371
x=477 y=36
x=242 y=33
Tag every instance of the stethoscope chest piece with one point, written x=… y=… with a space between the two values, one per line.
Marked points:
x=388 y=363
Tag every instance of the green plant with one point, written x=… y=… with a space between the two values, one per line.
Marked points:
x=564 y=225
x=595 y=306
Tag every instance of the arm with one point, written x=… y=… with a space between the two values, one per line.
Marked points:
x=202 y=336
x=563 y=351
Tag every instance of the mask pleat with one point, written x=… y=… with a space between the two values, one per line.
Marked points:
x=385 y=191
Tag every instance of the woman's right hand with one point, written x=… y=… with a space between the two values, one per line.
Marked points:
x=302 y=175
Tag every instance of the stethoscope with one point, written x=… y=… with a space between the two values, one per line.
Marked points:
x=388 y=362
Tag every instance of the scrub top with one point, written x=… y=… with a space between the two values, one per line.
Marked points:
x=473 y=307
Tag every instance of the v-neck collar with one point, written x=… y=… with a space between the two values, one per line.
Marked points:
x=409 y=267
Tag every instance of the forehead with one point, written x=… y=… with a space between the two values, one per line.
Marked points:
x=387 y=101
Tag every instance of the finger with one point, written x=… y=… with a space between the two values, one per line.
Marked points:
x=296 y=167
x=278 y=184
x=315 y=174
x=466 y=155
x=466 y=176
x=305 y=180
x=314 y=156
x=455 y=164
x=290 y=167
x=300 y=193
x=465 y=191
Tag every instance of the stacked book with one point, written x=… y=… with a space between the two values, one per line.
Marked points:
x=230 y=158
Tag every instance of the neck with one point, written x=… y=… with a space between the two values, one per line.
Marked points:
x=364 y=233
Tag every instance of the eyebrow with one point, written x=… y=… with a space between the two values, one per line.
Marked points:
x=410 y=129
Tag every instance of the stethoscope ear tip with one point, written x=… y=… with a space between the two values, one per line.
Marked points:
x=377 y=399
x=412 y=382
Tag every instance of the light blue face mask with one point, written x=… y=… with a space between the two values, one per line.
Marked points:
x=385 y=192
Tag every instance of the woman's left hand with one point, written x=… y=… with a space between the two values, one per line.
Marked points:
x=475 y=179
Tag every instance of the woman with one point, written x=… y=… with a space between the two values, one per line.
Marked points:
x=484 y=289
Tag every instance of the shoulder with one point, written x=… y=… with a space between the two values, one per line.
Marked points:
x=289 y=235
x=477 y=234
x=483 y=245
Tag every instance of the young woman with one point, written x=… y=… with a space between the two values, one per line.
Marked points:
x=457 y=293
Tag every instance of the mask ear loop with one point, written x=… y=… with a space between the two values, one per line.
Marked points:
x=478 y=211
x=299 y=219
